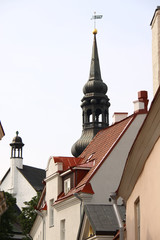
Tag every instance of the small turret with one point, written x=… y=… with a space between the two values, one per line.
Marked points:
x=16 y=146
x=16 y=161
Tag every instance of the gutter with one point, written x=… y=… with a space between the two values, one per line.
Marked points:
x=78 y=197
x=113 y=197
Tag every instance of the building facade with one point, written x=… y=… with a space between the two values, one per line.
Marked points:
x=22 y=181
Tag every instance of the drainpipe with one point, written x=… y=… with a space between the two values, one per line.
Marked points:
x=78 y=197
x=116 y=210
x=41 y=215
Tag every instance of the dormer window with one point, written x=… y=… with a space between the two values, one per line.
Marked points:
x=67 y=185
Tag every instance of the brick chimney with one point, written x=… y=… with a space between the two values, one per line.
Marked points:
x=155 y=26
x=141 y=105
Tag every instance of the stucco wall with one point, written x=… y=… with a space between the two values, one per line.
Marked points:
x=108 y=176
x=37 y=231
x=6 y=184
x=156 y=51
x=24 y=191
x=147 y=189
x=70 y=211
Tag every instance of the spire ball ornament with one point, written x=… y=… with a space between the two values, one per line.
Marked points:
x=94 y=31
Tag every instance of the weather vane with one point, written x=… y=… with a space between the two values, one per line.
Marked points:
x=94 y=17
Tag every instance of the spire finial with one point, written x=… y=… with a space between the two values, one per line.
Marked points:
x=94 y=17
x=17 y=133
x=95 y=31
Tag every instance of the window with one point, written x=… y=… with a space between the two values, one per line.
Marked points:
x=67 y=185
x=62 y=229
x=137 y=219
x=89 y=115
x=51 y=213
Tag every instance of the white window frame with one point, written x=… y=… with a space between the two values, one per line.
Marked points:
x=67 y=185
x=51 y=213
x=62 y=229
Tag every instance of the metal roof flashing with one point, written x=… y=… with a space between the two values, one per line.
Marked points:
x=158 y=8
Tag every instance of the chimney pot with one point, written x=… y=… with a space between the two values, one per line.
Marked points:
x=140 y=105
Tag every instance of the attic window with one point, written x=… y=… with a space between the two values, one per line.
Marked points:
x=67 y=185
x=89 y=158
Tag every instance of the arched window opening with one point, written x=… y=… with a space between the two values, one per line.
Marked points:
x=89 y=115
x=98 y=115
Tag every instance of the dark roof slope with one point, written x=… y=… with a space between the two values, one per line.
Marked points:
x=35 y=176
x=102 y=218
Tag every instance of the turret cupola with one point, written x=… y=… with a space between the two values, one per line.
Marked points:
x=16 y=146
x=95 y=104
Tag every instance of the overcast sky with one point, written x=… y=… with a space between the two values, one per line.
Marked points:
x=45 y=54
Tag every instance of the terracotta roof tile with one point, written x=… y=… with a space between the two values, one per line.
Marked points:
x=96 y=152
x=68 y=162
x=86 y=188
x=101 y=145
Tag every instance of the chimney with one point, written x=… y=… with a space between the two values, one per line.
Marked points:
x=119 y=116
x=140 y=105
x=155 y=26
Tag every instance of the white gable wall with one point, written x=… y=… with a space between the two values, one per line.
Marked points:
x=6 y=184
x=37 y=230
x=107 y=178
x=25 y=191
x=67 y=211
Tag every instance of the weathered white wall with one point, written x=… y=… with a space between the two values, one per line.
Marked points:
x=156 y=50
x=37 y=231
x=147 y=189
x=70 y=212
x=108 y=176
x=23 y=191
x=6 y=184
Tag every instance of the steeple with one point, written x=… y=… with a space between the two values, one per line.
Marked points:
x=95 y=104
x=16 y=146
x=16 y=161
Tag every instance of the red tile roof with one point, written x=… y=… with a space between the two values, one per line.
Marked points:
x=68 y=162
x=101 y=146
x=96 y=153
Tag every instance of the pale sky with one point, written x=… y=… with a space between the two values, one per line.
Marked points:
x=45 y=54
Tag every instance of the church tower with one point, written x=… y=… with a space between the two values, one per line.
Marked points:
x=16 y=161
x=95 y=104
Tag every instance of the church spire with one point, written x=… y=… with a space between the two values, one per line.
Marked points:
x=95 y=104
x=95 y=72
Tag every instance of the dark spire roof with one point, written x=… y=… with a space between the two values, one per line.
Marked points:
x=95 y=104
x=16 y=146
x=17 y=141
x=95 y=83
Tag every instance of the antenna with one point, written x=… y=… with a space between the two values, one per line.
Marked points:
x=94 y=17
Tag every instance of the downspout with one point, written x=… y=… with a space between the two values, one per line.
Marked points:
x=116 y=210
x=78 y=197
x=41 y=215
